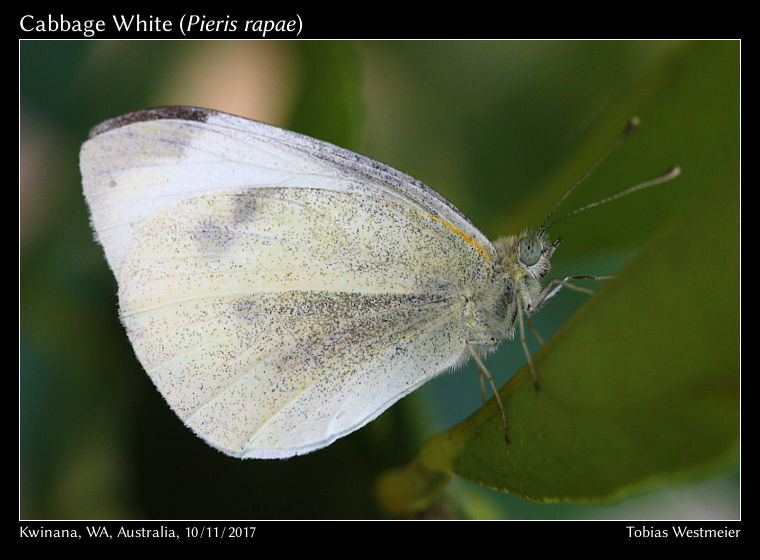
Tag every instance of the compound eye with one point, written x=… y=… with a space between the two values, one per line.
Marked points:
x=529 y=250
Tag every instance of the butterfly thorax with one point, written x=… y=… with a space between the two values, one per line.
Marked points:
x=521 y=263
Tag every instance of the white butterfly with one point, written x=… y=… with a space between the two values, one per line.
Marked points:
x=282 y=292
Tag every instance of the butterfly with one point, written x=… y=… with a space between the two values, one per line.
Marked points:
x=282 y=292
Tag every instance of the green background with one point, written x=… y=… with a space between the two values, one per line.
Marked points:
x=501 y=129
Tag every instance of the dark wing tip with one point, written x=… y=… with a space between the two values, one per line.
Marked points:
x=197 y=114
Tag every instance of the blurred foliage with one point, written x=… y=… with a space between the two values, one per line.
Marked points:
x=501 y=129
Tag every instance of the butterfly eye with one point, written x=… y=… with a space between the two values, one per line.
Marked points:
x=529 y=250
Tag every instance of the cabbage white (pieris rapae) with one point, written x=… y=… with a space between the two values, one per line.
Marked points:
x=282 y=292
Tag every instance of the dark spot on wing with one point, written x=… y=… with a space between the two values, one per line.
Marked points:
x=212 y=237
x=246 y=206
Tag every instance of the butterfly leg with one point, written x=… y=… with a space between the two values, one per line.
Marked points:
x=525 y=346
x=551 y=290
x=483 y=370
x=555 y=285
x=482 y=385
x=534 y=331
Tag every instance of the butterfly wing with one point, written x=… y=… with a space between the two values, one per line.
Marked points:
x=135 y=164
x=280 y=292
x=274 y=321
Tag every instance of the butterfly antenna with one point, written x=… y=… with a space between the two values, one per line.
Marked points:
x=671 y=173
x=632 y=125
